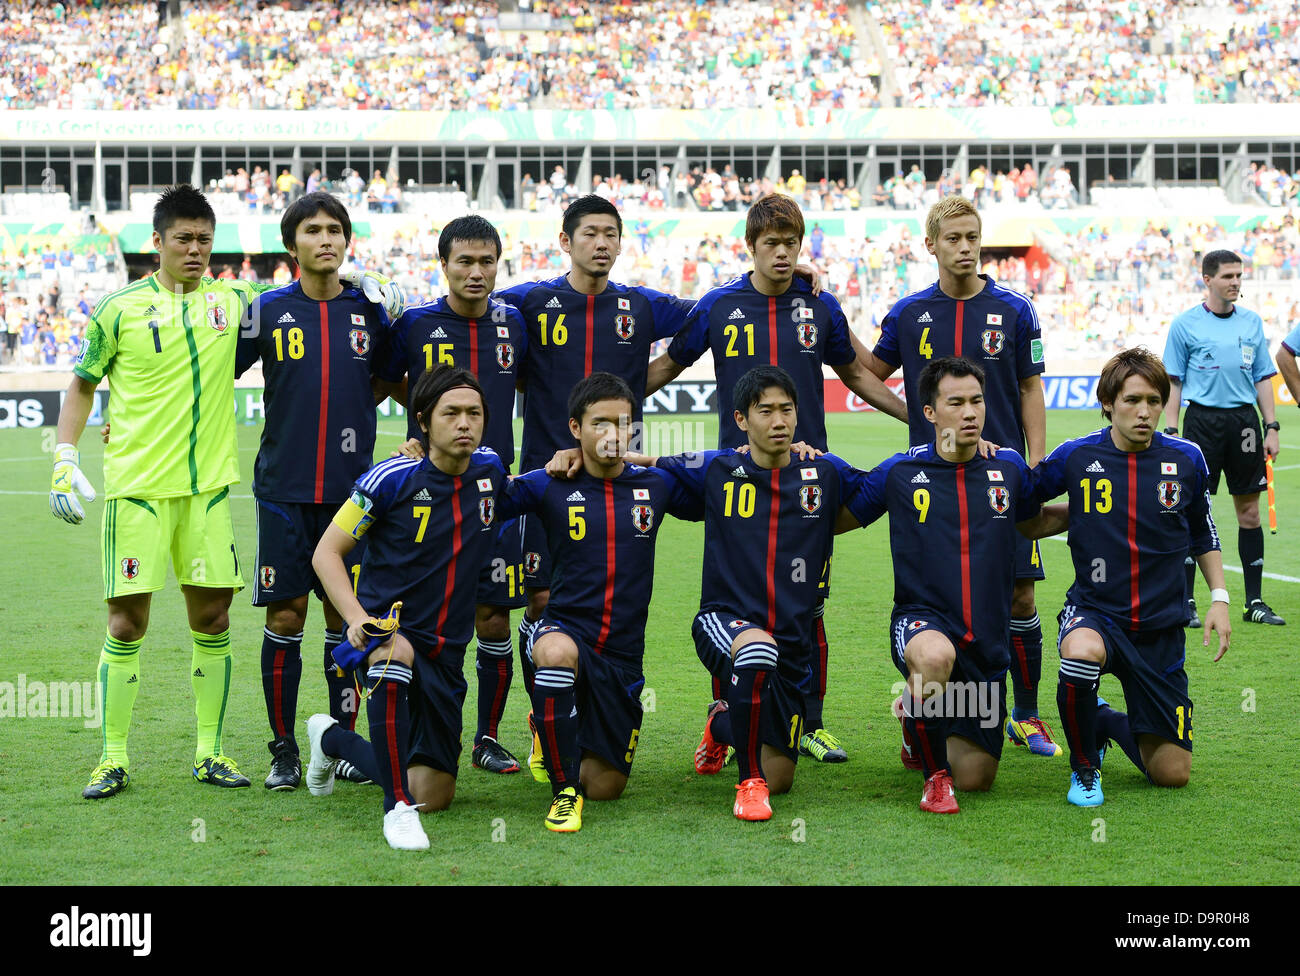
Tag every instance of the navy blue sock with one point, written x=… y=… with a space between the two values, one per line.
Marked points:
x=342 y=743
x=389 y=729
x=745 y=699
x=813 y=701
x=721 y=728
x=1112 y=725
x=526 y=668
x=1250 y=547
x=924 y=721
x=281 y=675
x=554 y=713
x=1076 y=697
x=1026 y=666
x=340 y=689
x=494 y=665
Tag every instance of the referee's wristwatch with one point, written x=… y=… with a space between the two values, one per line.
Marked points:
x=1274 y=425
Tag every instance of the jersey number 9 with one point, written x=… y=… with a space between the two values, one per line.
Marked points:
x=921 y=499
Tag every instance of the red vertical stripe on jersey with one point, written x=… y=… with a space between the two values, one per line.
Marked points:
x=963 y=521
x=771 y=331
x=473 y=346
x=611 y=535
x=1133 y=536
x=450 y=586
x=956 y=332
x=324 y=401
x=773 y=517
x=591 y=332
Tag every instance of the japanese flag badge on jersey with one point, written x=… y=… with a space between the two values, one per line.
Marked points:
x=1168 y=467
x=484 y=484
x=808 y=474
x=805 y=312
x=995 y=475
x=624 y=304
x=358 y=319
x=993 y=319
x=641 y=494
x=503 y=332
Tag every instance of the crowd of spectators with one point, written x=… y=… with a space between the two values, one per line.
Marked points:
x=46 y=297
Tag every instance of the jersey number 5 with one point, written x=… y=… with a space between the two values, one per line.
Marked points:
x=577 y=524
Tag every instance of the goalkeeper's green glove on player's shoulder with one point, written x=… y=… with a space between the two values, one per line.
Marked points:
x=377 y=289
x=66 y=482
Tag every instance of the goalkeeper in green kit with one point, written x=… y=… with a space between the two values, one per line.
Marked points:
x=166 y=344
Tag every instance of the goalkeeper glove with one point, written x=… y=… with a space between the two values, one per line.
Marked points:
x=377 y=289
x=375 y=631
x=67 y=480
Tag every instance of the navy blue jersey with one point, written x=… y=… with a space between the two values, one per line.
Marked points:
x=1134 y=517
x=997 y=329
x=746 y=329
x=492 y=348
x=428 y=536
x=601 y=533
x=767 y=535
x=952 y=536
x=571 y=336
x=317 y=362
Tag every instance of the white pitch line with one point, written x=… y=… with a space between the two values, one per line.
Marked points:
x=1234 y=569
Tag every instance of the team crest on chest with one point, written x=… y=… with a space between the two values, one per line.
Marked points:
x=624 y=326
x=810 y=498
x=999 y=498
x=1169 y=492
x=217 y=318
x=130 y=568
x=486 y=508
x=992 y=340
x=266 y=577
x=807 y=333
x=532 y=562
x=360 y=341
x=505 y=355
x=643 y=517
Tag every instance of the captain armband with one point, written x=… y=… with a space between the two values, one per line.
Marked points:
x=354 y=517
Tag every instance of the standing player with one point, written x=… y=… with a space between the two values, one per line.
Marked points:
x=769 y=521
x=578 y=324
x=318 y=342
x=588 y=647
x=953 y=509
x=470 y=330
x=429 y=526
x=970 y=315
x=770 y=316
x=1139 y=503
x=1217 y=357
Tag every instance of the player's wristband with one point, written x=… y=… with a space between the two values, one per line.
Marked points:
x=1219 y=596
x=1172 y=430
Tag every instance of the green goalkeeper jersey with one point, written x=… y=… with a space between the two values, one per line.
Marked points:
x=170 y=363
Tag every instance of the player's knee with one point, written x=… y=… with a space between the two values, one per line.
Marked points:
x=431 y=789
x=1022 y=603
x=974 y=779
x=492 y=623
x=127 y=626
x=1170 y=774
x=397 y=650
x=1084 y=647
x=779 y=775
x=753 y=637
x=1248 y=515
x=287 y=619
x=555 y=651
x=604 y=785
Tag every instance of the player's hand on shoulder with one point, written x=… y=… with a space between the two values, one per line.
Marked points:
x=103 y=432
x=987 y=449
x=565 y=464
x=1217 y=620
x=411 y=449
x=804 y=451
x=811 y=275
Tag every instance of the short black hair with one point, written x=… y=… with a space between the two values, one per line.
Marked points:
x=937 y=369
x=309 y=205
x=585 y=206
x=181 y=202
x=430 y=387
x=1211 y=263
x=470 y=228
x=749 y=388
x=598 y=386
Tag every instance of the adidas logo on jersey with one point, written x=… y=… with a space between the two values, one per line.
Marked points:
x=739 y=473
x=438 y=333
x=151 y=310
x=920 y=479
x=736 y=314
x=423 y=495
x=286 y=317
x=576 y=497
x=1095 y=468
x=553 y=303
x=925 y=317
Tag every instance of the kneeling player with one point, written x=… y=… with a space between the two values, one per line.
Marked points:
x=588 y=647
x=429 y=524
x=952 y=533
x=1137 y=499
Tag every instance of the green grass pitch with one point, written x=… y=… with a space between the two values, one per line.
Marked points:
x=854 y=823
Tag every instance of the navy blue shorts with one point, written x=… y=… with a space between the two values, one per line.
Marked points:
x=783 y=710
x=537 y=555
x=1029 y=559
x=608 y=694
x=287 y=534
x=1149 y=666
x=501 y=581
x=435 y=701
x=975 y=706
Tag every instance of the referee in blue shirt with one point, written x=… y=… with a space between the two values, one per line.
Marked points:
x=1218 y=358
